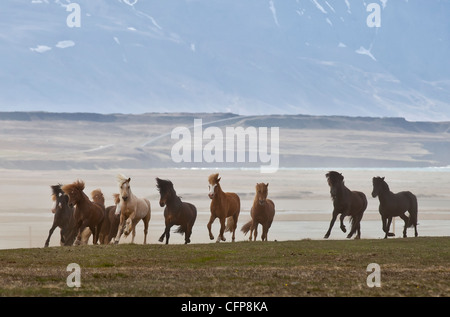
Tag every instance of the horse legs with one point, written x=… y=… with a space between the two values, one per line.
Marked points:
x=120 y=230
x=388 y=225
x=254 y=230
x=333 y=219
x=406 y=220
x=265 y=231
x=342 y=222
x=146 y=221
x=50 y=232
x=211 y=220
x=222 y=230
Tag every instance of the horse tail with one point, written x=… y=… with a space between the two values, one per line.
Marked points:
x=181 y=229
x=246 y=228
x=230 y=224
x=413 y=210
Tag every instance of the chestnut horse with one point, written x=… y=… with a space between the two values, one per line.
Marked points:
x=347 y=203
x=176 y=212
x=87 y=214
x=99 y=199
x=395 y=205
x=262 y=212
x=111 y=223
x=223 y=206
x=63 y=217
x=132 y=210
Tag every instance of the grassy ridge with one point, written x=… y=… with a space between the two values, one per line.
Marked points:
x=409 y=267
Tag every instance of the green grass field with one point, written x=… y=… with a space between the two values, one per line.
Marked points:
x=409 y=267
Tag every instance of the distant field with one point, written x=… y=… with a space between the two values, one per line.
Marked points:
x=409 y=267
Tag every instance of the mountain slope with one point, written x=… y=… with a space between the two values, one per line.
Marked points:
x=249 y=57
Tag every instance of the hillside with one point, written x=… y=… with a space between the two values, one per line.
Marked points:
x=41 y=140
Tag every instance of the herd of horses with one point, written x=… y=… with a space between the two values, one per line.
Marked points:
x=79 y=217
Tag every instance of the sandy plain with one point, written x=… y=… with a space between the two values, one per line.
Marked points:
x=301 y=196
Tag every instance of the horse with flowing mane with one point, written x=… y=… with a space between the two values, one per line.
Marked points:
x=176 y=212
x=63 y=217
x=395 y=205
x=132 y=210
x=87 y=214
x=262 y=212
x=347 y=203
x=223 y=206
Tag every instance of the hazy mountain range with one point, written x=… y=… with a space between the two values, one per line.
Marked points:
x=251 y=57
x=60 y=141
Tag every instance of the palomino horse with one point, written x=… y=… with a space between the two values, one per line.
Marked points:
x=132 y=210
x=347 y=203
x=111 y=223
x=262 y=212
x=395 y=205
x=223 y=206
x=176 y=212
x=87 y=214
x=63 y=217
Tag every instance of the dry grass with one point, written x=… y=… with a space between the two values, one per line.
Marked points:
x=409 y=267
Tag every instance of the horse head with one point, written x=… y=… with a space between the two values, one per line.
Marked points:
x=166 y=190
x=59 y=198
x=378 y=185
x=124 y=186
x=261 y=192
x=74 y=192
x=213 y=180
x=335 y=180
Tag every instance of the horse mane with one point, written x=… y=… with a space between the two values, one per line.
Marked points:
x=78 y=185
x=382 y=183
x=335 y=177
x=97 y=196
x=214 y=178
x=164 y=185
x=116 y=198
x=121 y=178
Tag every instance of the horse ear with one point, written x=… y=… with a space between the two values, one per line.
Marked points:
x=382 y=178
x=218 y=180
x=267 y=185
x=129 y=180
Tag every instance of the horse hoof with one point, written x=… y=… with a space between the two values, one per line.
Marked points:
x=344 y=230
x=391 y=234
x=326 y=236
x=161 y=239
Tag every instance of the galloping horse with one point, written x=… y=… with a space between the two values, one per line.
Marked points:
x=395 y=205
x=87 y=214
x=262 y=212
x=63 y=217
x=223 y=206
x=132 y=209
x=347 y=203
x=99 y=199
x=176 y=212
x=111 y=223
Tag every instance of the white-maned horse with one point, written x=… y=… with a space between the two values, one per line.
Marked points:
x=131 y=209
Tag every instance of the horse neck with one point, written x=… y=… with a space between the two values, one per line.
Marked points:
x=174 y=202
x=83 y=202
x=220 y=193
x=340 y=190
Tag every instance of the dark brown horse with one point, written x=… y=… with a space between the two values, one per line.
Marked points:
x=63 y=217
x=88 y=214
x=176 y=212
x=111 y=222
x=347 y=203
x=223 y=206
x=262 y=212
x=395 y=205
x=99 y=199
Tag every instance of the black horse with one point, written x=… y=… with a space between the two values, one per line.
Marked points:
x=176 y=212
x=347 y=203
x=395 y=205
x=63 y=218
